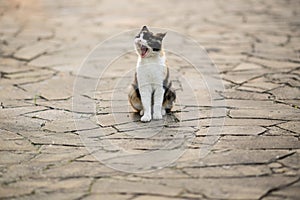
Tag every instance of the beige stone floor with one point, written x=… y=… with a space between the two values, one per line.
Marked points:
x=55 y=147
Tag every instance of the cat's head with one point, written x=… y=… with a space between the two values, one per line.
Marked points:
x=148 y=44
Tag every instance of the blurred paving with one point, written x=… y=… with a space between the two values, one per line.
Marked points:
x=254 y=44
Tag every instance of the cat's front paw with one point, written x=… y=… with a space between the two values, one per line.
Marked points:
x=146 y=118
x=157 y=116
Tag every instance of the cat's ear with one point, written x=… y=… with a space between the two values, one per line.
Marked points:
x=161 y=35
x=145 y=28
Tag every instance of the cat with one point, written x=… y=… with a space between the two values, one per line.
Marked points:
x=151 y=90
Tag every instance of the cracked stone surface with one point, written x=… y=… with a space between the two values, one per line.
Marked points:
x=43 y=154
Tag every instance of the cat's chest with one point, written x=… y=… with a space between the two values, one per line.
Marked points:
x=150 y=72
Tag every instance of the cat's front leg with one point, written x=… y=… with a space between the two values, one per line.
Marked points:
x=146 y=96
x=157 y=106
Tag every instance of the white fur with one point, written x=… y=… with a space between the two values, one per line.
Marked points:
x=150 y=75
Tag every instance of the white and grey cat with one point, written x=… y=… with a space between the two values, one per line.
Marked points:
x=151 y=91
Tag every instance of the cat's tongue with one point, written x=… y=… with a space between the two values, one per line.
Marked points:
x=144 y=50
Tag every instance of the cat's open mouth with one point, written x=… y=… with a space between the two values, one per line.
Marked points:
x=144 y=51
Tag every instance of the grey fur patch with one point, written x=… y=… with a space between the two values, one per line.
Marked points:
x=153 y=40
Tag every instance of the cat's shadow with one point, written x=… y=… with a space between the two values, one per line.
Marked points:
x=169 y=118
x=140 y=129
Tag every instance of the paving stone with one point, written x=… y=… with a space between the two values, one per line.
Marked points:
x=292 y=161
x=258 y=142
x=240 y=77
x=61 y=87
x=286 y=92
x=9 y=65
x=232 y=122
x=53 y=195
x=14 y=103
x=293 y=126
x=291 y=192
x=274 y=64
x=247 y=121
x=276 y=131
x=148 y=197
x=165 y=173
x=34 y=50
x=246 y=66
x=282 y=114
x=83 y=105
x=8 y=93
x=86 y=158
x=132 y=187
x=28 y=77
x=50 y=114
x=9 y=121
x=9 y=142
x=55 y=60
x=79 y=169
x=154 y=126
x=275 y=165
x=246 y=95
x=289 y=79
x=148 y=144
x=113 y=119
x=69 y=125
x=254 y=105
x=11 y=47
x=195 y=113
x=8 y=157
x=250 y=88
x=233 y=130
x=294 y=103
x=282 y=170
x=30 y=73
x=230 y=188
x=33 y=32
x=108 y=197
x=46 y=138
x=23 y=170
x=72 y=184
x=228 y=157
x=11 y=192
x=58 y=153
x=229 y=171
x=261 y=83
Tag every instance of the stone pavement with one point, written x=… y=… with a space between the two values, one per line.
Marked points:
x=254 y=44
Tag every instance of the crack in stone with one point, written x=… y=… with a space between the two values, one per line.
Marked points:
x=263 y=118
x=39 y=80
x=269 y=192
x=56 y=144
x=296 y=134
x=266 y=58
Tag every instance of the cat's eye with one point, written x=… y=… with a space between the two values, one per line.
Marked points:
x=155 y=49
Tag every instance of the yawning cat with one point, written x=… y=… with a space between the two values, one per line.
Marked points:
x=151 y=90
